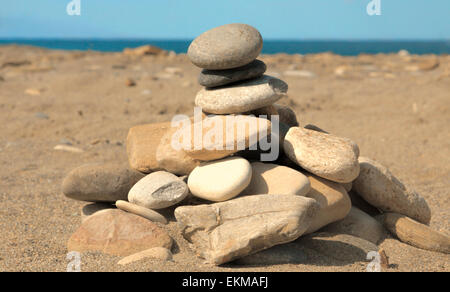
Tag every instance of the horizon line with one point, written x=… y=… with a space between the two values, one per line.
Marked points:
x=190 y=39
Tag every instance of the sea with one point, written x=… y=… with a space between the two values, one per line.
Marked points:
x=341 y=47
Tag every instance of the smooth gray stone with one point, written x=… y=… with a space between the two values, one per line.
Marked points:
x=215 y=78
x=100 y=182
x=226 y=47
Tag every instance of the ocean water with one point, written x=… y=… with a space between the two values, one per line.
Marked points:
x=346 y=48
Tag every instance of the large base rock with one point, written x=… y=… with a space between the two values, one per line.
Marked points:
x=230 y=230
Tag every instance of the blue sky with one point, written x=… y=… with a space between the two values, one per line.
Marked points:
x=276 y=19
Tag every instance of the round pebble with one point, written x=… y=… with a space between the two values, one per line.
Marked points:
x=225 y=47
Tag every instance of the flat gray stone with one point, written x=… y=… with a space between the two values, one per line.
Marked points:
x=215 y=78
x=242 y=97
x=226 y=47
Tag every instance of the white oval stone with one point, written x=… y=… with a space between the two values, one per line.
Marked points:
x=324 y=155
x=242 y=97
x=220 y=180
x=158 y=190
x=268 y=178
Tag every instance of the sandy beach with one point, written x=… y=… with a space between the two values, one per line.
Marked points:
x=396 y=107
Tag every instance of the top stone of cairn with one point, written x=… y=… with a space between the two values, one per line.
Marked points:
x=226 y=47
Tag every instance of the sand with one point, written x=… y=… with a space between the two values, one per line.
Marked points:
x=397 y=114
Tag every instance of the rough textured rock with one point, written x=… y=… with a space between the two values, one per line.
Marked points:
x=176 y=161
x=214 y=78
x=142 y=143
x=100 y=182
x=270 y=178
x=158 y=190
x=220 y=180
x=334 y=202
x=225 y=47
x=287 y=115
x=141 y=211
x=158 y=253
x=415 y=233
x=226 y=231
x=343 y=247
x=91 y=209
x=230 y=135
x=324 y=155
x=118 y=233
x=380 y=188
x=359 y=224
x=242 y=97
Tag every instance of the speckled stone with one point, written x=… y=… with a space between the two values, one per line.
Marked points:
x=242 y=97
x=158 y=190
x=225 y=47
x=324 y=155
x=215 y=78
x=380 y=188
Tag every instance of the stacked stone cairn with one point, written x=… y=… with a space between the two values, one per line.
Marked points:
x=228 y=202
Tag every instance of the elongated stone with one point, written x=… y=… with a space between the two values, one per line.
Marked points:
x=242 y=97
x=380 y=188
x=215 y=78
x=415 y=233
x=100 y=182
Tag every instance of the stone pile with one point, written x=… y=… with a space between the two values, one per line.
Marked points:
x=228 y=204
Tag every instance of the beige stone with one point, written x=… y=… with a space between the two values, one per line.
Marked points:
x=118 y=233
x=220 y=180
x=324 y=155
x=226 y=231
x=334 y=202
x=415 y=233
x=242 y=97
x=158 y=253
x=270 y=178
x=142 y=143
x=359 y=224
x=380 y=188
x=173 y=160
x=141 y=211
x=220 y=136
